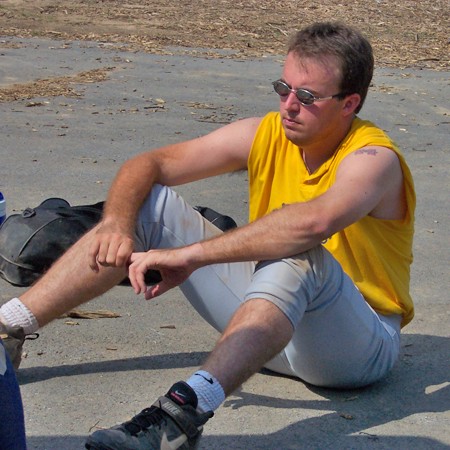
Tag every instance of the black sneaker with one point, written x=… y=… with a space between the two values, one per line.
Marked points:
x=171 y=423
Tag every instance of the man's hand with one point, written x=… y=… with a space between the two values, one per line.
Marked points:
x=172 y=265
x=111 y=247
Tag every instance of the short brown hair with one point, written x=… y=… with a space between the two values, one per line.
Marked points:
x=351 y=48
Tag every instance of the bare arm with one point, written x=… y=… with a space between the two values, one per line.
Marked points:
x=368 y=182
x=223 y=150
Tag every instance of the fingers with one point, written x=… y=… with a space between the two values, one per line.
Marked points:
x=141 y=263
x=109 y=249
x=173 y=272
x=136 y=272
x=156 y=290
x=92 y=256
x=114 y=252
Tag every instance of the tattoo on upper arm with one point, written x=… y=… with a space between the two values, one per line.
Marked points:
x=366 y=151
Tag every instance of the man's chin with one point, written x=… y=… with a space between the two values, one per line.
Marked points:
x=294 y=136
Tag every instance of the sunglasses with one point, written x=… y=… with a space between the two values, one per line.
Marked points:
x=305 y=97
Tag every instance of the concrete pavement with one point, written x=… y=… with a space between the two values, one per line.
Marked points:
x=81 y=374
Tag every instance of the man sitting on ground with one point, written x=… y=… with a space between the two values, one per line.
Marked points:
x=316 y=286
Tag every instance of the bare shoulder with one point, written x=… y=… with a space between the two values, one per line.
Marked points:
x=377 y=160
x=378 y=170
x=374 y=150
x=242 y=128
x=233 y=140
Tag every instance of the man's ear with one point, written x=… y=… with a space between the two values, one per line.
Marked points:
x=351 y=102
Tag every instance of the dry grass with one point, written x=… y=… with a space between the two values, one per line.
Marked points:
x=404 y=33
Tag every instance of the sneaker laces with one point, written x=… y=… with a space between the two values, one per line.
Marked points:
x=144 y=420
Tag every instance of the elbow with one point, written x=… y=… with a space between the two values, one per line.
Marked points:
x=320 y=230
x=314 y=230
x=313 y=224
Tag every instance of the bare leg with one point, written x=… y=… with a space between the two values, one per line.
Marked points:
x=69 y=283
x=257 y=332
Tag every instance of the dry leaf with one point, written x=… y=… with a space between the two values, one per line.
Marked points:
x=71 y=322
x=99 y=314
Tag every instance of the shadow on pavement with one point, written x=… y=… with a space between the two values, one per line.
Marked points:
x=154 y=362
x=418 y=384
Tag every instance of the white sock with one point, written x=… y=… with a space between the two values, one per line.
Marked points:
x=209 y=392
x=15 y=314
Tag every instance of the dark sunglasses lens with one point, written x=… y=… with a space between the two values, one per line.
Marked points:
x=305 y=97
x=280 y=88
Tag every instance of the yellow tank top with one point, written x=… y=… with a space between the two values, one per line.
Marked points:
x=375 y=253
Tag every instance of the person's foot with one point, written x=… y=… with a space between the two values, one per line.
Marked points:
x=171 y=423
x=13 y=339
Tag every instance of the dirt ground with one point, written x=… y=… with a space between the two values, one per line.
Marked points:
x=404 y=33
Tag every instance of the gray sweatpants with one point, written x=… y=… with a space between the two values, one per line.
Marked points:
x=338 y=341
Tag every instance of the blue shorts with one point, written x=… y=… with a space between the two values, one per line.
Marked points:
x=12 y=428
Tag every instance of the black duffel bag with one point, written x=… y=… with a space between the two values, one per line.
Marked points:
x=32 y=241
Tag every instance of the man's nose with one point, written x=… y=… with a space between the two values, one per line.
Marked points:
x=292 y=102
